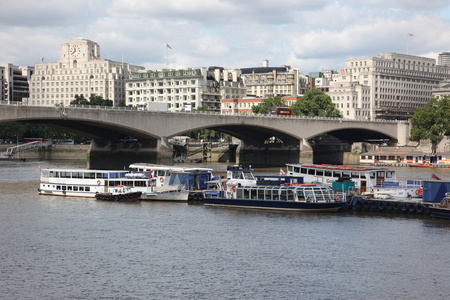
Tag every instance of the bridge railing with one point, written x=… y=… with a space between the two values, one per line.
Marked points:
x=128 y=108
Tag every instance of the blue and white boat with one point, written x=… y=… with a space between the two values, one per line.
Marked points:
x=289 y=196
x=441 y=210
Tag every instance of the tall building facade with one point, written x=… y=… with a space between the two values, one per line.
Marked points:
x=80 y=71
x=272 y=81
x=388 y=86
x=14 y=83
x=444 y=59
x=183 y=88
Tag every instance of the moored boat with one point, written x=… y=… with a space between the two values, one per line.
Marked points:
x=119 y=193
x=155 y=182
x=441 y=210
x=300 y=197
x=368 y=180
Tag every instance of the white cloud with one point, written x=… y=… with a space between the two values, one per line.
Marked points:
x=309 y=35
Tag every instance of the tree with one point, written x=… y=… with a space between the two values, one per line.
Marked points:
x=431 y=122
x=267 y=105
x=79 y=99
x=93 y=100
x=315 y=103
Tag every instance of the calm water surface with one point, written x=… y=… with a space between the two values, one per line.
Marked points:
x=74 y=248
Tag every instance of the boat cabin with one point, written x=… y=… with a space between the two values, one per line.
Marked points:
x=364 y=177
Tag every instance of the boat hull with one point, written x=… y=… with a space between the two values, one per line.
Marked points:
x=440 y=212
x=181 y=196
x=129 y=197
x=275 y=205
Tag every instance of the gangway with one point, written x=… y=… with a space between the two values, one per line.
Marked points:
x=12 y=151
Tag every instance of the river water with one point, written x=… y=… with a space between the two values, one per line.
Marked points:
x=74 y=248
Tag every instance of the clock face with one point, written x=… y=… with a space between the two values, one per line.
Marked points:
x=75 y=51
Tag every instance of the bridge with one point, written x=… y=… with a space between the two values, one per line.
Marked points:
x=108 y=126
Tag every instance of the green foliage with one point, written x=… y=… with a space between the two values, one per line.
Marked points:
x=267 y=105
x=93 y=100
x=431 y=122
x=79 y=99
x=315 y=103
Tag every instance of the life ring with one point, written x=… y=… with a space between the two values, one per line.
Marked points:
x=98 y=182
x=337 y=197
x=233 y=189
x=150 y=176
x=419 y=192
x=161 y=179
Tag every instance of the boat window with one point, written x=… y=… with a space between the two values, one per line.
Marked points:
x=77 y=174
x=300 y=195
x=319 y=172
x=113 y=183
x=290 y=195
x=246 y=193
x=89 y=175
x=296 y=170
x=311 y=172
x=268 y=195
x=58 y=187
x=372 y=175
x=318 y=194
x=69 y=188
x=355 y=175
x=64 y=187
x=139 y=183
x=261 y=194
x=337 y=174
x=345 y=174
x=102 y=175
x=248 y=175
x=275 y=195
x=81 y=189
x=65 y=174
x=161 y=172
x=304 y=171
x=309 y=195
x=240 y=193
x=328 y=173
x=87 y=189
x=53 y=174
x=389 y=174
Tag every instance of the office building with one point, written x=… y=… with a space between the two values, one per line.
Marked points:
x=14 y=83
x=387 y=86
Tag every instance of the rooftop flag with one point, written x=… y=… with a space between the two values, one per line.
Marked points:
x=167 y=45
x=410 y=34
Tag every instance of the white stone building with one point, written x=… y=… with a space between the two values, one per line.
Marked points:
x=80 y=71
x=184 y=88
x=387 y=86
x=272 y=81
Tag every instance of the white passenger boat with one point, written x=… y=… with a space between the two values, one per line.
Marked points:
x=379 y=182
x=156 y=182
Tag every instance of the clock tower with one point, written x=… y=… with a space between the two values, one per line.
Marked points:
x=79 y=50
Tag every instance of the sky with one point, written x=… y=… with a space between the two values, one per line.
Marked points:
x=309 y=35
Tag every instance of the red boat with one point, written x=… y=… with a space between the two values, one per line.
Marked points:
x=421 y=165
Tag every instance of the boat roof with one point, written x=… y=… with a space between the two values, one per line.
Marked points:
x=338 y=167
x=167 y=167
x=85 y=170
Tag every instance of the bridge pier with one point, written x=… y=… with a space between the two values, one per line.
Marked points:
x=110 y=155
x=268 y=155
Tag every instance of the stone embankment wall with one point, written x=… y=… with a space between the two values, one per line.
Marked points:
x=55 y=151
